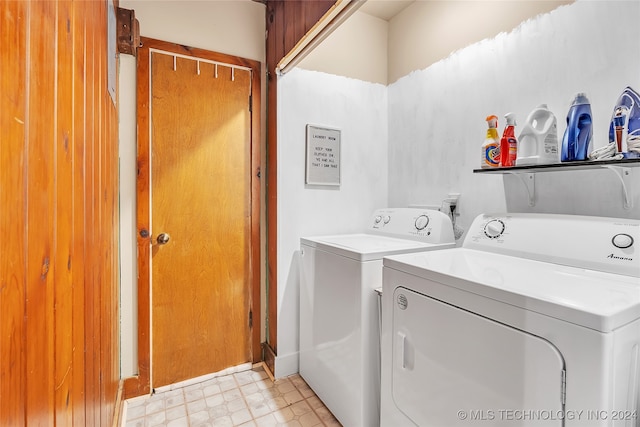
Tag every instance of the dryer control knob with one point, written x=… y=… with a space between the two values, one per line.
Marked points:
x=378 y=219
x=622 y=241
x=421 y=222
x=386 y=219
x=494 y=229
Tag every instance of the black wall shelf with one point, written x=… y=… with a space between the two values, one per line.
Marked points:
x=566 y=166
x=526 y=174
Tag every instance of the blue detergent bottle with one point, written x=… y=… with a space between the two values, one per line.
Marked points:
x=624 y=129
x=576 y=142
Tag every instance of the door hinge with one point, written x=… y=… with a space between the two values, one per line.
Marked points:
x=563 y=386
x=128 y=31
x=250 y=319
x=258 y=174
x=251 y=103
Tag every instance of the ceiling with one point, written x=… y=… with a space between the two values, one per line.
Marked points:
x=384 y=9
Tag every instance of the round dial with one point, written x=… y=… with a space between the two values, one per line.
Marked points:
x=494 y=229
x=386 y=219
x=421 y=222
x=378 y=219
x=622 y=241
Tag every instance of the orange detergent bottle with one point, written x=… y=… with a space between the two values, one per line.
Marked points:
x=509 y=143
x=491 y=146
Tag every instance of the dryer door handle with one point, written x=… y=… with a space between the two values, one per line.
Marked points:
x=406 y=351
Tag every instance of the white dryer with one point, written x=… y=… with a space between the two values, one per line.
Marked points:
x=339 y=317
x=534 y=321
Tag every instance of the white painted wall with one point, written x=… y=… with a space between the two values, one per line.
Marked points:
x=357 y=49
x=369 y=48
x=427 y=31
x=436 y=116
x=234 y=27
x=359 y=110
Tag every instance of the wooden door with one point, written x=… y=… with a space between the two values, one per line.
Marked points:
x=201 y=228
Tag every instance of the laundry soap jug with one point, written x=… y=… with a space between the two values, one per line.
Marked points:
x=576 y=142
x=624 y=130
x=538 y=141
x=509 y=143
x=491 y=146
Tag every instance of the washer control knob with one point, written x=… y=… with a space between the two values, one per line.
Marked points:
x=494 y=229
x=622 y=241
x=421 y=222
x=378 y=219
x=386 y=219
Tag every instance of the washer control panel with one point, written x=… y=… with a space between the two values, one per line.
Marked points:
x=384 y=219
x=412 y=223
x=596 y=243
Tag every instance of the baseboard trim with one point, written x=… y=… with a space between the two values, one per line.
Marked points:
x=286 y=365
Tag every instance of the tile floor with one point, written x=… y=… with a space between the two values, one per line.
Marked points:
x=247 y=398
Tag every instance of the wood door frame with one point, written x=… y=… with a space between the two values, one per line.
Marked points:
x=141 y=384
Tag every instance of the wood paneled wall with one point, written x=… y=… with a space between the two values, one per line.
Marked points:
x=59 y=355
x=287 y=22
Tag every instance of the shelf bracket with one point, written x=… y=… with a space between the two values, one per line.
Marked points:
x=529 y=181
x=624 y=175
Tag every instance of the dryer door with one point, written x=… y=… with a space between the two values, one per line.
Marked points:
x=452 y=367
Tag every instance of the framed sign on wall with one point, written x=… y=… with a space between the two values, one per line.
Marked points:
x=323 y=156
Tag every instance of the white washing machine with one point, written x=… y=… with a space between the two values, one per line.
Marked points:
x=534 y=321
x=339 y=318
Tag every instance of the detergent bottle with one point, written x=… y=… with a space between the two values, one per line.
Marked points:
x=538 y=141
x=509 y=143
x=576 y=143
x=491 y=146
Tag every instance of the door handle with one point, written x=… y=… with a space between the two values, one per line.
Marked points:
x=163 y=238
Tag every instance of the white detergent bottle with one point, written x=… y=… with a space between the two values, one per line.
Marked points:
x=538 y=141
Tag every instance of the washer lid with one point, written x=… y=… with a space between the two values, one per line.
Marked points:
x=367 y=247
x=594 y=299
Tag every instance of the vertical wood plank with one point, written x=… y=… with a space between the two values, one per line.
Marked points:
x=114 y=224
x=107 y=211
x=102 y=260
x=63 y=298
x=78 y=204
x=40 y=213
x=114 y=227
x=291 y=11
x=314 y=10
x=13 y=32
x=92 y=367
x=99 y=207
x=111 y=337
